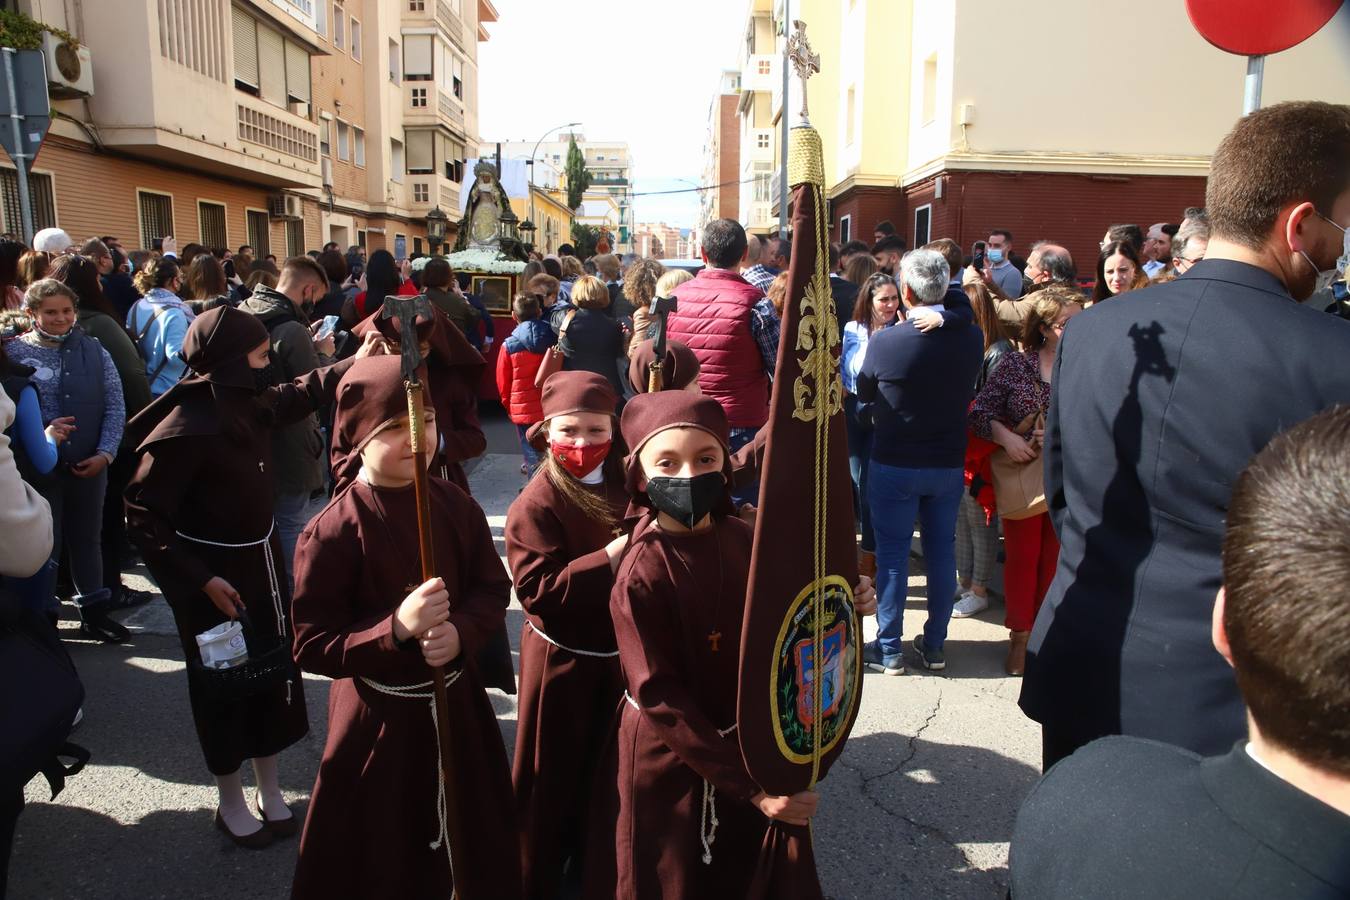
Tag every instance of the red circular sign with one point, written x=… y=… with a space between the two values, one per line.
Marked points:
x=1258 y=27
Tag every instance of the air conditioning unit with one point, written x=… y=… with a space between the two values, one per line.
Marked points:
x=327 y=167
x=70 y=70
x=284 y=206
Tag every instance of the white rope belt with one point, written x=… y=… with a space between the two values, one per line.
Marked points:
x=594 y=653
x=708 y=822
x=422 y=691
x=278 y=605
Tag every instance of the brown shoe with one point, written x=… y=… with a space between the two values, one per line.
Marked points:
x=1016 y=663
x=255 y=841
x=282 y=828
x=867 y=564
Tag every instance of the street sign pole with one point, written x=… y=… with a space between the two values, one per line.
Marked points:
x=1251 y=91
x=783 y=151
x=20 y=157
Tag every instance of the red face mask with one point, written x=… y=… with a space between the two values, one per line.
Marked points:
x=580 y=461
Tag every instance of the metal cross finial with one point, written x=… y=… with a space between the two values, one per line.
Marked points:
x=804 y=62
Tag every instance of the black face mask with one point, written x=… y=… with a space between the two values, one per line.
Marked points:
x=686 y=500
x=265 y=377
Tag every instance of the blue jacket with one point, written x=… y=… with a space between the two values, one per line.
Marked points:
x=533 y=336
x=163 y=337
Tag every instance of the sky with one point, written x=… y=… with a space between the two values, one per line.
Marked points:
x=643 y=71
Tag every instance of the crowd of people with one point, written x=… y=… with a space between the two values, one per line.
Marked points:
x=242 y=425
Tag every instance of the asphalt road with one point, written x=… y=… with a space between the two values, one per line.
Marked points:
x=920 y=805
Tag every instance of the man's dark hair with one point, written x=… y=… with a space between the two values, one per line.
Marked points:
x=781 y=247
x=1284 y=154
x=1130 y=234
x=1057 y=263
x=437 y=273
x=892 y=244
x=724 y=243
x=567 y=250
x=245 y=248
x=1004 y=233
x=1170 y=230
x=553 y=267
x=300 y=267
x=1286 y=539
x=853 y=248
x=885 y=227
x=834 y=256
x=951 y=251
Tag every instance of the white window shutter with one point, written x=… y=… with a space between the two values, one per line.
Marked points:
x=245 y=47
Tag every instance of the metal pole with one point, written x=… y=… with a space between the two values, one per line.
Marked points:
x=20 y=158
x=782 y=162
x=1251 y=91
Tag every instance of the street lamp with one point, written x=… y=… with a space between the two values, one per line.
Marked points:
x=527 y=230
x=507 y=226
x=530 y=162
x=436 y=226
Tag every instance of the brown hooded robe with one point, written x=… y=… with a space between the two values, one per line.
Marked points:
x=374 y=812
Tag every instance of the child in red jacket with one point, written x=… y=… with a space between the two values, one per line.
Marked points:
x=517 y=364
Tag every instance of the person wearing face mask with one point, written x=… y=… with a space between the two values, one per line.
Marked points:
x=998 y=267
x=1166 y=396
x=562 y=550
x=75 y=377
x=298 y=469
x=200 y=509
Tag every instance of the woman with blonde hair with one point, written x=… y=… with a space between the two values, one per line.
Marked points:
x=572 y=269
x=639 y=288
x=860 y=268
x=589 y=339
x=1009 y=410
x=32 y=267
x=206 y=284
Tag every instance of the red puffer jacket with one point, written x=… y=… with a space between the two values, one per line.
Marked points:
x=713 y=320
x=518 y=362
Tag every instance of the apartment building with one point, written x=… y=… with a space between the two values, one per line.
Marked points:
x=721 y=195
x=609 y=199
x=939 y=116
x=661 y=241
x=759 y=63
x=275 y=123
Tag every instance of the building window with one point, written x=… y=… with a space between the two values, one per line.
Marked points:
x=156 y=216
x=421 y=193
x=267 y=64
x=361 y=238
x=417 y=5
x=356 y=40
x=211 y=224
x=457 y=82
x=394 y=69
x=259 y=232
x=339 y=27
x=764 y=67
x=321 y=18
x=762 y=140
x=39 y=191
x=396 y=161
x=344 y=141
x=421 y=152
x=358 y=146
x=295 y=237
x=325 y=135
x=417 y=245
x=419 y=98
x=923 y=222
x=846 y=229
x=417 y=57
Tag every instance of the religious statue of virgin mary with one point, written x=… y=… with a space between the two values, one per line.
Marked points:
x=487 y=200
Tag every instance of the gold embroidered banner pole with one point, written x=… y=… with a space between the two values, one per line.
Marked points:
x=802 y=638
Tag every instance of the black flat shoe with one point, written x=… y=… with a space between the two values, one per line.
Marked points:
x=131 y=597
x=282 y=828
x=96 y=624
x=255 y=841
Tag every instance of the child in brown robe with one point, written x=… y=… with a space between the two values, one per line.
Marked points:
x=562 y=547
x=200 y=510
x=690 y=821
x=381 y=823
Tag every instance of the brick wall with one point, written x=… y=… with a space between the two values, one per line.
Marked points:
x=867 y=206
x=338 y=88
x=1071 y=209
x=728 y=202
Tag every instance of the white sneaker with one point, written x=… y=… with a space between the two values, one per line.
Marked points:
x=969 y=605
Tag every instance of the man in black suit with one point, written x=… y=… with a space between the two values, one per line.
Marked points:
x=1160 y=398
x=844 y=292
x=1128 y=817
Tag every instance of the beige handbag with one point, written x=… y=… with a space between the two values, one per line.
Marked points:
x=1019 y=488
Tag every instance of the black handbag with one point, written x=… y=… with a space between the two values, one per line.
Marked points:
x=35 y=721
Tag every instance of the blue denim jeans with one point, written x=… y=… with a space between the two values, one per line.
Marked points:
x=859 y=455
x=527 y=453
x=897 y=497
x=749 y=493
x=293 y=512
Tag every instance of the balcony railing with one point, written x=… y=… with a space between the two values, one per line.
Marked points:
x=450 y=110
x=447 y=19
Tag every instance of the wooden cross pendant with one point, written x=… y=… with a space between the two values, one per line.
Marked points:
x=714 y=638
